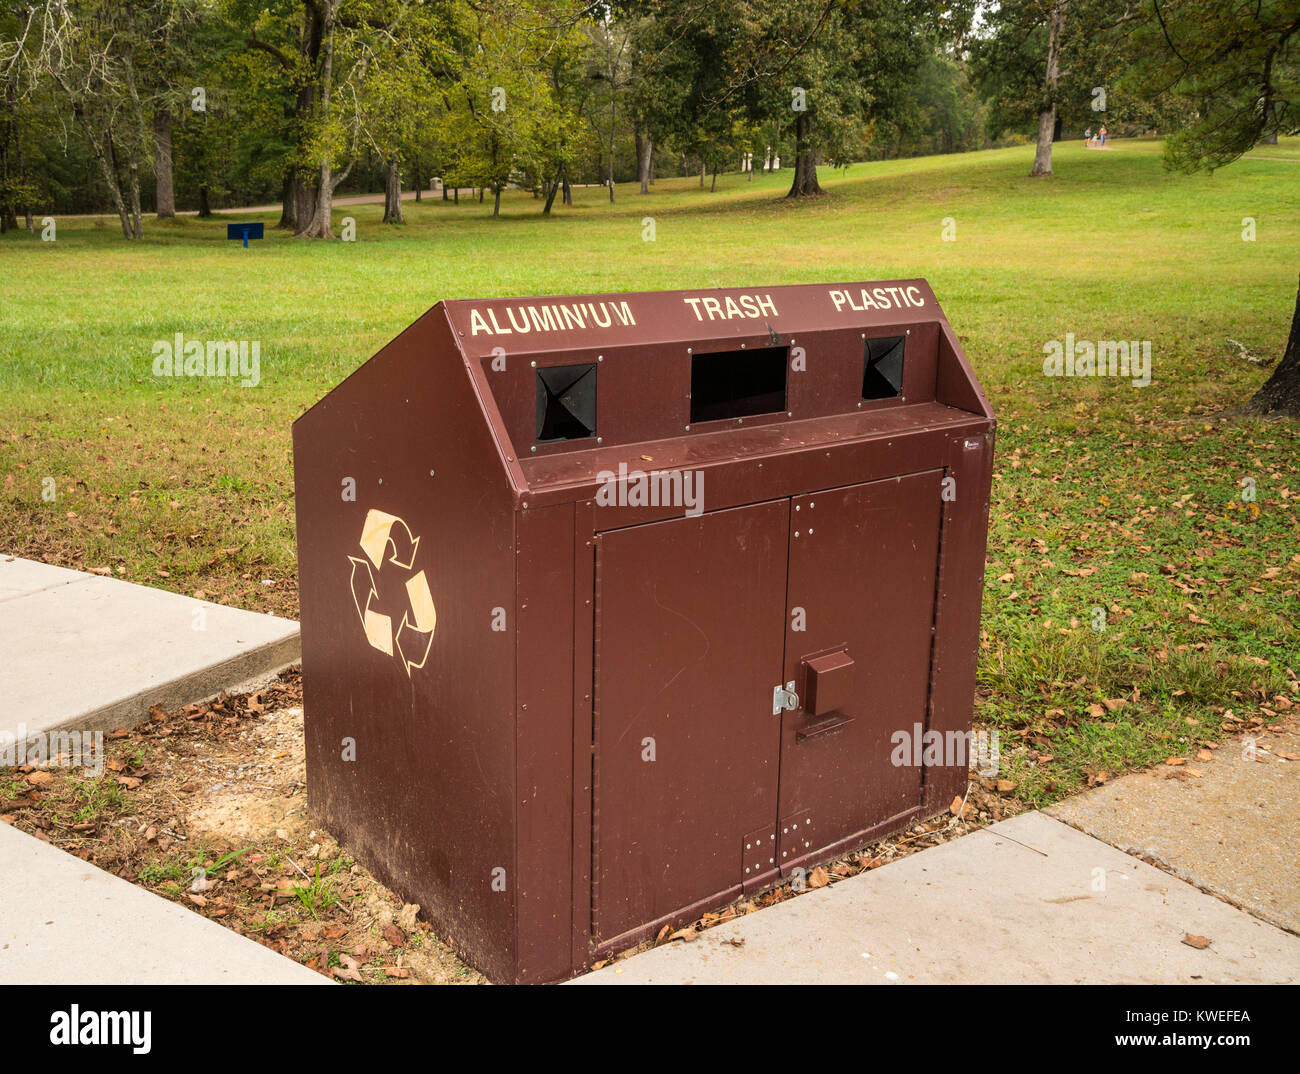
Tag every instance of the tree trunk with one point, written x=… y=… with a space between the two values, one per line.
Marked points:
x=304 y=202
x=568 y=192
x=713 y=185
x=444 y=191
x=496 y=201
x=805 y=161
x=1280 y=394
x=136 y=148
x=205 y=210
x=288 y=204
x=644 y=151
x=320 y=226
x=613 y=108
x=165 y=198
x=393 y=194
x=108 y=165
x=701 y=173
x=1047 y=109
x=550 y=195
x=456 y=199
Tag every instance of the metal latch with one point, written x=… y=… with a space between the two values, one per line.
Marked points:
x=784 y=698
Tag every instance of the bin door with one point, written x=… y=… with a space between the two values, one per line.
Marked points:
x=862 y=587
x=689 y=636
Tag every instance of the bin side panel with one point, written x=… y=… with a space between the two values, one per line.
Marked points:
x=960 y=591
x=428 y=541
x=545 y=753
x=690 y=625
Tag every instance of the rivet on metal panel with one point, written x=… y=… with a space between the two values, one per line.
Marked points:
x=533 y=448
x=810 y=531
x=533 y=364
x=600 y=357
x=430 y=473
x=690 y=350
x=688 y=428
x=742 y=346
x=600 y=439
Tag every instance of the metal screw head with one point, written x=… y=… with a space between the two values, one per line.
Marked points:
x=690 y=350
x=742 y=346
x=533 y=364
x=533 y=448
x=600 y=357
x=600 y=439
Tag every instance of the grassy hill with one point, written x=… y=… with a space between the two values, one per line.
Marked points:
x=1105 y=496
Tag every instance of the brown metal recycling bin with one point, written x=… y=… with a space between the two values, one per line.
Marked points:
x=615 y=607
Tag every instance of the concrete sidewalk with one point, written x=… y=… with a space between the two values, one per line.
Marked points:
x=1013 y=903
x=94 y=654
x=63 y=921
x=1226 y=824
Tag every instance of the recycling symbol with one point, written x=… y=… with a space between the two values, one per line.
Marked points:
x=413 y=637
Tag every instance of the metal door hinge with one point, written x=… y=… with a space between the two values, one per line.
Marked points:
x=784 y=699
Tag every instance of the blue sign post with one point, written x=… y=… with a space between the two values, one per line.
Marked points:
x=244 y=231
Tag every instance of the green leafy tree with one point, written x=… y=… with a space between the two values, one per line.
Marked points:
x=1234 y=66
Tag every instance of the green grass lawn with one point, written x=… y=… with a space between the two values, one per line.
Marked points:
x=1105 y=495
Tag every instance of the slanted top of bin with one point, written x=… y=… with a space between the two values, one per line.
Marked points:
x=568 y=380
x=569 y=386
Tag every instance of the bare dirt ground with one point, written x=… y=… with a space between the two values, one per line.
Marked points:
x=206 y=806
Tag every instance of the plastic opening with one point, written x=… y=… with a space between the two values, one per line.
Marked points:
x=882 y=373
